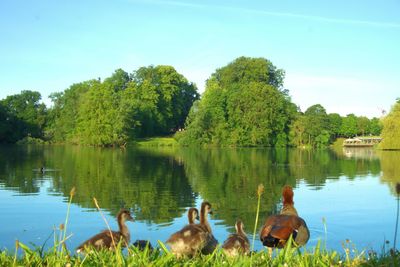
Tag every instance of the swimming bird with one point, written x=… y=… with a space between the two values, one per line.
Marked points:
x=194 y=238
x=278 y=228
x=237 y=243
x=110 y=239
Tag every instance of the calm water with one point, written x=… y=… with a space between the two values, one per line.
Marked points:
x=352 y=191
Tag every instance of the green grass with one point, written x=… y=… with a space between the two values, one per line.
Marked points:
x=59 y=255
x=156 y=142
x=161 y=257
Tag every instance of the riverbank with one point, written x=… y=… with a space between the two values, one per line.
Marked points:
x=161 y=257
x=156 y=142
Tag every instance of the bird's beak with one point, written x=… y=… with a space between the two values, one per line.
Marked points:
x=211 y=212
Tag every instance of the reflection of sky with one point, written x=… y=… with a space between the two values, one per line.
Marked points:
x=362 y=210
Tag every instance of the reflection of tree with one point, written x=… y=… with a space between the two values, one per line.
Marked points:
x=160 y=184
x=229 y=178
x=390 y=164
x=155 y=185
x=360 y=162
x=17 y=164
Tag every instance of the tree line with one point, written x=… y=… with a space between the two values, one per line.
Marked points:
x=150 y=101
x=244 y=104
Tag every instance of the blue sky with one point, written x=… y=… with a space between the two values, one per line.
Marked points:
x=344 y=55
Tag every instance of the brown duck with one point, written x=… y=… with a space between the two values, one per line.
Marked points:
x=194 y=238
x=109 y=239
x=193 y=215
x=278 y=228
x=237 y=243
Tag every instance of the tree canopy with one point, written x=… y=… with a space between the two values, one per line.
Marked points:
x=391 y=129
x=244 y=104
x=22 y=115
x=151 y=101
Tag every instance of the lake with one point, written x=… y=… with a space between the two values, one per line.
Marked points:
x=343 y=195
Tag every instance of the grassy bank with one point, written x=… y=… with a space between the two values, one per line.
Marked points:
x=156 y=142
x=60 y=255
x=161 y=257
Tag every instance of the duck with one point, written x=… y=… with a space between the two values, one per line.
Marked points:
x=143 y=245
x=194 y=238
x=278 y=228
x=193 y=215
x=109 y=239
x=237 y=243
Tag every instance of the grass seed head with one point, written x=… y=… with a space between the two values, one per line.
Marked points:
x=72 y=192
x=260 y=189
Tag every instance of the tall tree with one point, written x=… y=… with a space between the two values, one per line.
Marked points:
x=64 y=113
x=312 y=128
x=27 y=113
x=349 y=126
x=159 y=99
x=99 y=121
x=375 y=127
x=119 y=80
x=391 y=129
x=244 y=104
x=362 y=125
x=335 y=123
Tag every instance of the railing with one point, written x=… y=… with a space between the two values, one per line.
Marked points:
x=362 y=141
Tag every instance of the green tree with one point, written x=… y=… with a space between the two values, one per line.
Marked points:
x=64 y=113
x=363 y=124
x=25 y=112
x=312 y=128
x=334 y=125
x=349 y=126
x=244 y=104
x=391 y=129
x=316 y=121
x=375 y=127
x=297 y=131
x=99 y=120
x=119 y=80
x=159 y=100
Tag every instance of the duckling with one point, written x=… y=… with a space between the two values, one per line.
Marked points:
x=193 y=215
x=109 y=239
x=194 y=238
x=278 y=228
x=237 y=243
x=143 y=244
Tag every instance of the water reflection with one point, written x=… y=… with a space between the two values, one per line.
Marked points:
x=161 y=183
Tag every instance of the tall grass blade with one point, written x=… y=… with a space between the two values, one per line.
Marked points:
x=105 y=220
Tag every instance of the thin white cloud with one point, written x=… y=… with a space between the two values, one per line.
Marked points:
x=280 y=14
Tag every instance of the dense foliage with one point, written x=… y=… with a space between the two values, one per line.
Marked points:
x=151 y=101
x=391 y=128
x=316 y=128
x=244 y=104
x=22 y=115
